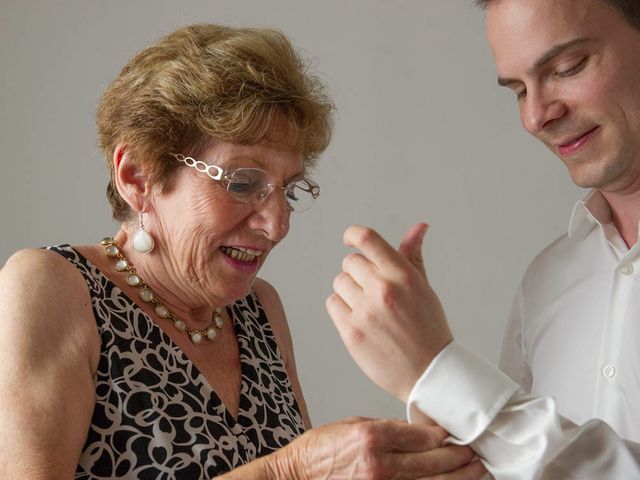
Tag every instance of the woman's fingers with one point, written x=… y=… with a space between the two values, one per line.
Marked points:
x=382 y=449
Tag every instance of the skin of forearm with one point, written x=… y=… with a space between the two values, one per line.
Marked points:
x=275 y=466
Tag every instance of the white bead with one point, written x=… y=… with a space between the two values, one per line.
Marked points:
x=142 y=241
x=146 y=295
x=162 y=311
x=122 y=265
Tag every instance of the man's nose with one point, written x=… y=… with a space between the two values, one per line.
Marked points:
x=539 y=109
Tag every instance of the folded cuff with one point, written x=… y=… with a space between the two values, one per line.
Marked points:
x=460 y=391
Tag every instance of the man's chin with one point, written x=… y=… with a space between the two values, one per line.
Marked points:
x=590 y=176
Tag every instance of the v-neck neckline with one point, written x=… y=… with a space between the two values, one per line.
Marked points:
x=183 y=360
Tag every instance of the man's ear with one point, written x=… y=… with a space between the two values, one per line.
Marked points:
x=131 y=180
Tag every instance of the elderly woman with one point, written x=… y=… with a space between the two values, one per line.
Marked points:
x=158 y=353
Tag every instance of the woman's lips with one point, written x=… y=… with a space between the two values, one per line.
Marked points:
x=576 y=144
x=244 y=254
x=244 y=259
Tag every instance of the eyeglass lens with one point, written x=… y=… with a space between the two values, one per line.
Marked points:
x=253 y=185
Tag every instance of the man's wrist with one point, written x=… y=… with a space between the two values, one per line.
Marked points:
x=461 y=391
x=413 y=374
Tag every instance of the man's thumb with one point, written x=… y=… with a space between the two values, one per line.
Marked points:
x=411 y=246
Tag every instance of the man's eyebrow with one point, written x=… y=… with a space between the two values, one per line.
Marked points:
x=546 y=58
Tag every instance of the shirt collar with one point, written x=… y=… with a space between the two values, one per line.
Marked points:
x=592 y=210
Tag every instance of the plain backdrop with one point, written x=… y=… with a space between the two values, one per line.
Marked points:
x=423 y=133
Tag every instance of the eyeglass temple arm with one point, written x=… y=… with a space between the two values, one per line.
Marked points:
x=201 y=166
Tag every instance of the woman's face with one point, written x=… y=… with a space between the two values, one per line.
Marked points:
x=212 y=244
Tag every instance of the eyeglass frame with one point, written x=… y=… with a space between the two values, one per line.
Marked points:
x=221 y=175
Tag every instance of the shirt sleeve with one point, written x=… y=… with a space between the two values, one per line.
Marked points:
x=518 y=436
x=513 y=355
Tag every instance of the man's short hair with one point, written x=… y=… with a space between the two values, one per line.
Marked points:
x=629 y=9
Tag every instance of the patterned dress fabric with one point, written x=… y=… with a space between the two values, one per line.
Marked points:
x=156 y=417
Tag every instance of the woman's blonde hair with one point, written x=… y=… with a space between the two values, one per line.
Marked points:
x=204 y=83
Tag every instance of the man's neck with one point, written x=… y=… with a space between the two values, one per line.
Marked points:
x=626 y=214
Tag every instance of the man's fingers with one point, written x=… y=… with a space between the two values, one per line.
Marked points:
x=411 y=246
x=345 y=286
x=381 y=254
x=473 y=471
x=337 y=308
x=359 y=268
x=341 y=314
x=401 y=436
x=372 y=245
x=435 y=462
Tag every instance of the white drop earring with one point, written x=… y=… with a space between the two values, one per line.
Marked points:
x=142 y=240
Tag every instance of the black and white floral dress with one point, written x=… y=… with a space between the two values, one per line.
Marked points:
x=156 y=417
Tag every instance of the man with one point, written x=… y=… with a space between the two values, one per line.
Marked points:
x=573 y=337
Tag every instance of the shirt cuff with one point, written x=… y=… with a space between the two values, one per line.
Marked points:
x=460 y=391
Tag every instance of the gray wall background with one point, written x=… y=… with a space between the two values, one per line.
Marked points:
x=423 y=133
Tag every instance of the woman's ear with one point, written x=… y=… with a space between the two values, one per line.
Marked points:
x=131 y=180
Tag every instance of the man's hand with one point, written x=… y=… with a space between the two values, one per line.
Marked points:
x=385 y=310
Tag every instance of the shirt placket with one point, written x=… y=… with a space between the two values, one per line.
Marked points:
x=607 y=405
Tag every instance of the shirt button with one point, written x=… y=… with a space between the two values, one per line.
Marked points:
x=627 y=269
x=608 y=371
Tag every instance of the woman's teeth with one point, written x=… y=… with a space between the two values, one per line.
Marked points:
x=247 y=255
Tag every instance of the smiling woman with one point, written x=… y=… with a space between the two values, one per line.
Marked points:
x=158 y=353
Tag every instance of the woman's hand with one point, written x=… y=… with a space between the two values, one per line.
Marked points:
x=369 y=449
x=376 y=449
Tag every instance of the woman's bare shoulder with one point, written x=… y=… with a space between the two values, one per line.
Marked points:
x=43 y=294
x=38 y=259
x=270 y=301
x=268 y=296
x=41 y=274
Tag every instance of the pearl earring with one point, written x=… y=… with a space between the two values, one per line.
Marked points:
x=142 y=240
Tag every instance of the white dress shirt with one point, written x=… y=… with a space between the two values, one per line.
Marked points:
x=573 y=342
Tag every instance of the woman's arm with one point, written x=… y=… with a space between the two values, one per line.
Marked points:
x=361 y=448
x=272 y=304
x=49 y=349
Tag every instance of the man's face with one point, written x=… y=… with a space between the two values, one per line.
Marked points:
x=575 y=68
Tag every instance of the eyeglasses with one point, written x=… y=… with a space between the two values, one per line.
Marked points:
x=253 y=185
